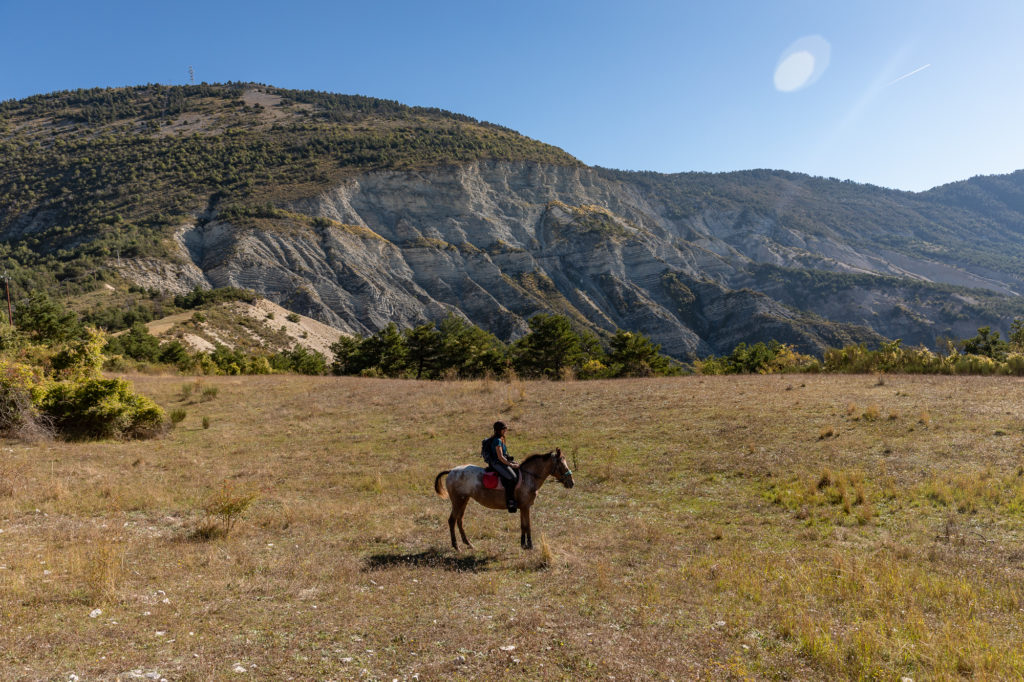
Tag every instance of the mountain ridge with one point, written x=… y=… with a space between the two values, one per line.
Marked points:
x=361 y=212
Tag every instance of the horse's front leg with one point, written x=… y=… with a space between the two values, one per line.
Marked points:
x=524 y=525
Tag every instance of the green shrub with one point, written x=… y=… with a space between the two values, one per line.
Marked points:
x=178 y=415
x=81 y=358
x=198 y=297
x=101 y=408
x=1015 y=364
x=769 y=358
x=259 y=365
x=21 y=387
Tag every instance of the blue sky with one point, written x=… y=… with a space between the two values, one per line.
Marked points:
x=663 y=86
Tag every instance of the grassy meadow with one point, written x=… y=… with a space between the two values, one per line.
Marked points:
x=764 y=527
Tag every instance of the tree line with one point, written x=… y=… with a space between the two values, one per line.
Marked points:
x=457 y=349
x=454 y=348
x=986 y=353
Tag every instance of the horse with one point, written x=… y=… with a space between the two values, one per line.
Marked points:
x=466 y=481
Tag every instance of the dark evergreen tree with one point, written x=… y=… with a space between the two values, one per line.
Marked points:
x=553 y=345
x=423 y=347
x=634 y=355
x=1017 y=334
x=346 y=355
x=385 y=350
x=46 y=320
x=987 y=343
x=136 y=343
x=469 y=350
x=175 y=353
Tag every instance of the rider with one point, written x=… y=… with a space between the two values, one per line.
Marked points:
x=495 y=453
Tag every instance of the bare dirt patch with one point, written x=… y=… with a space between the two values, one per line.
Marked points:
x=290 y=328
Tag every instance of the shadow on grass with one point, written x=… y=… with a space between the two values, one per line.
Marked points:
x=431 y=558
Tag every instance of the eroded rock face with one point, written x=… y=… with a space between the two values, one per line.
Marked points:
x=497 y=243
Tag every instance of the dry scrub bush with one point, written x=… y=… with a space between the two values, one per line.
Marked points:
x=222 y=510
x=10 y=474
x=101 y=571
x=546 y=556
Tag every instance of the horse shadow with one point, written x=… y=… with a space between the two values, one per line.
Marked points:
x=431 y=558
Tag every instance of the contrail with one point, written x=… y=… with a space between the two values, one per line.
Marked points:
x=908 y=75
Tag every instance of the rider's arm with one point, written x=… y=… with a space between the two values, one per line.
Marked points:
x=499 y=453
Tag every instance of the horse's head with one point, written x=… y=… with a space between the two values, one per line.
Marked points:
x=560 y=469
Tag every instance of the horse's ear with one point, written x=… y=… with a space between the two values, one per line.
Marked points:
x=558 y=451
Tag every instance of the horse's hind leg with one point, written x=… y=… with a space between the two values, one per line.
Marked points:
x=459 y=511
x=451 y=527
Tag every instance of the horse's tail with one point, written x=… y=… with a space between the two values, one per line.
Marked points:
x=438 y=488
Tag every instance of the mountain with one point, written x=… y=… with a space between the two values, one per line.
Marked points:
x=360 y=212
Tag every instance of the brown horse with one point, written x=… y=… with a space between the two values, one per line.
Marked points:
x=465 y=482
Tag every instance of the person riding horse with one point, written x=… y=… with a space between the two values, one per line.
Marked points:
x=495 y=453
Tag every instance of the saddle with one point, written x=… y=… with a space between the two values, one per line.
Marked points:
x=491 y=480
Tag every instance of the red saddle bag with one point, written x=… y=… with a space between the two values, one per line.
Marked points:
x=491 y=480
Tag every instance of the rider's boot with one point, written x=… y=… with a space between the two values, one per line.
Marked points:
x=510 y=498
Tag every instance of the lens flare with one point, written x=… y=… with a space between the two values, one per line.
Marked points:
x=794 y=71
x=802 y=63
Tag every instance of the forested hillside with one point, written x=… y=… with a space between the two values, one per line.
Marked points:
x=91 y=174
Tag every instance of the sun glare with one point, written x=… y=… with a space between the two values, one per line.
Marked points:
x=802 y=63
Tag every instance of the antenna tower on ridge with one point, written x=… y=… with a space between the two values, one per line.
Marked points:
x=191 y=75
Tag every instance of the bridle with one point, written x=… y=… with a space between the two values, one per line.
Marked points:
x=561 y=477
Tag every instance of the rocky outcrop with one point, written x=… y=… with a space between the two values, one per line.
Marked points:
x=497 y=243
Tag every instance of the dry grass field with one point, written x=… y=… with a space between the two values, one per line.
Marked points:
x=764 y=527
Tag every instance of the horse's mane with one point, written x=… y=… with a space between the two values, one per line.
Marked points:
x=537 y=456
